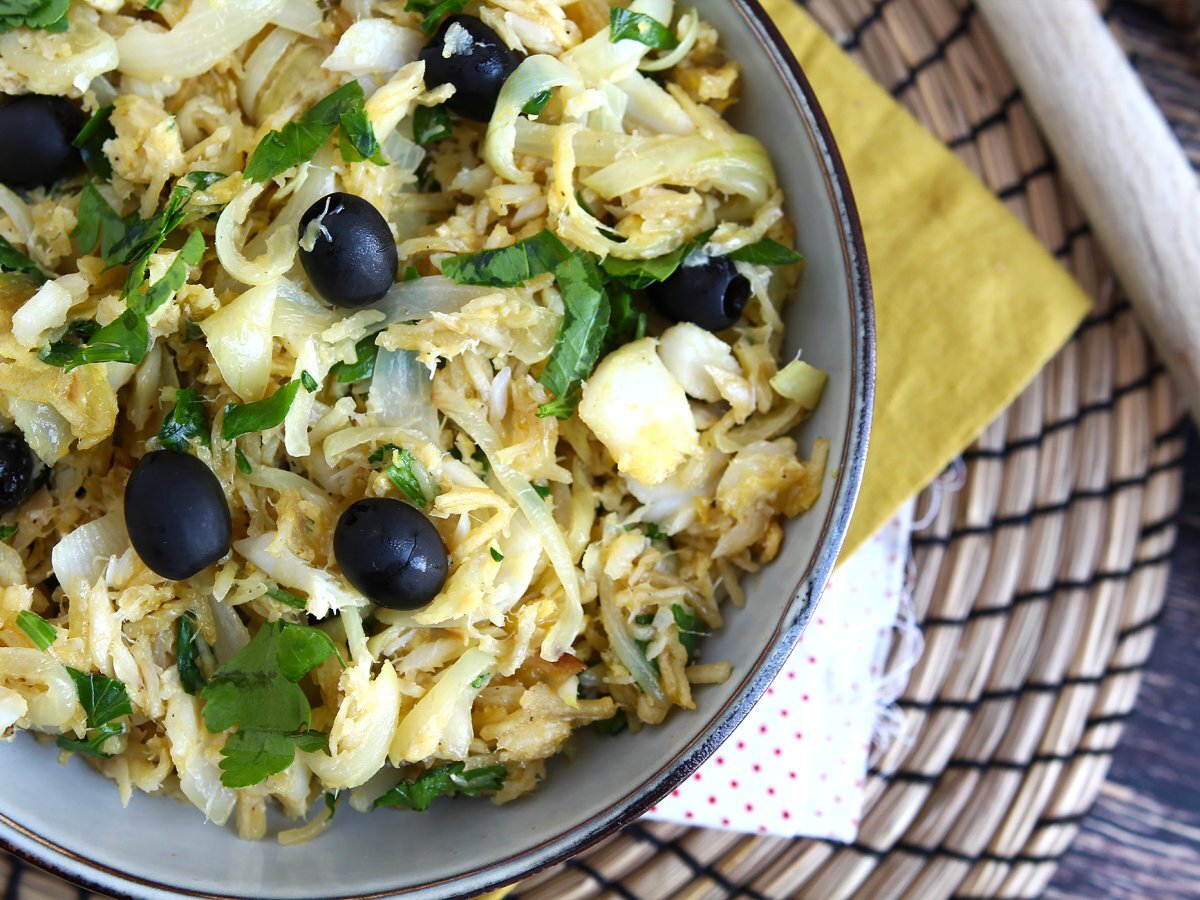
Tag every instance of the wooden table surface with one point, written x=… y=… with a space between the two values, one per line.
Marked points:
x=1142 y=838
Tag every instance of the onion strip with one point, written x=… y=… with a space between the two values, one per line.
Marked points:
x=473 y=421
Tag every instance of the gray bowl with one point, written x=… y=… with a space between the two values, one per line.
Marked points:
x=68 y=819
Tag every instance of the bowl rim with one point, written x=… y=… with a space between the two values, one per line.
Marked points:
x=102 y=878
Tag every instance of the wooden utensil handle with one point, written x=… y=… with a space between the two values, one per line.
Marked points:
x=1122 y=161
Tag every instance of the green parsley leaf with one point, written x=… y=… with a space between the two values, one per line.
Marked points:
x=41 y=632
x=625 y=24
x=124 y=339
x=261 y=415
x=508 y=266
x=577 y=345
x=256 y=691
x=331 y=802
x=430 y=125
x=13 y=260
x=536 y=103
x=543 y=490
x=192 y=331
x=96 y=739
x=189 y=647
x=103 y=699
x=363 y=366
x=613 y=725
x=434 y=11
x=401 y=472
x=90 y=142
x=655 y=533
x=689 y=630
x=766 y=253
x=173 y=279
x=497 y=555
x=639 y=274
x=97 y=223
x=481 y=679
x=46 y=15
x=185 y=423
x=7 y=531
x=287 y=598
x=311 y=741
x=310 y=383
x=154 y=4
x=243 y=464
x=444 y=781
x=627 y=322
x=298 y=142
x=411 y=274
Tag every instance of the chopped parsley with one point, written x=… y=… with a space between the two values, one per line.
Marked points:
x=13 y=260
x=508 y=266
x=103 y=700
x=639 y=274
x=613 y=725
x=310 y=383
x=365 y=352
x=444 y=781
x=189 y=649
x=431 y=124
x=401 y=470
x=434 y=11
x=624 y=24
x=766 y=253
x=257 y=694
x=496 y=554
x=298 y=141
x=45 y=15
x=543 y=490
x=7 y=531
x=90 y=142
x=688 y=626
x=41 y=632
x=536 y=103
x=185 y=423
x=265 y=414
x=481 y=679
x=287 y=598
x=243 y=464
x=127 y=337
x=577 y=346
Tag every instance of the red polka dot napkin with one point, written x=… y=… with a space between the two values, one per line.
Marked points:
x=797 y=765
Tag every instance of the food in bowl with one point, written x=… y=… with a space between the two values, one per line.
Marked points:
x=390 y=390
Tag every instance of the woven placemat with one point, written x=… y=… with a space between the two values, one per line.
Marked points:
x=1038 y=583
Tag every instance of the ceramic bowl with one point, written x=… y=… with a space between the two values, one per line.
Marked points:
x=68 y=818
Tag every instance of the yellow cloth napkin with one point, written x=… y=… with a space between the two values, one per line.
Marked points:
x=968 y=305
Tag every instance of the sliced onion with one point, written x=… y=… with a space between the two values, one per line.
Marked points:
x=689 y=29
x=402 y=393
x=536 y=74
x=623 y=644
x=473 y=421
x=239 y=339
x=81 y=557
x=303 y=16
x=599 y=60
x=413 y=300
x=298 y=316
x=260 y=65
x=441 y=721
x=87 y=52
x=18 y=211
x=653 y=108
x=325 y=592
x=46 y=431
x=209 y=31
x=281 y=246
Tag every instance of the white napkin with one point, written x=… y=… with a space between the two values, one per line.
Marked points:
x=797 y=765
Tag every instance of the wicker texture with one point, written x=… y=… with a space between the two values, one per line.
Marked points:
x=1038 y=584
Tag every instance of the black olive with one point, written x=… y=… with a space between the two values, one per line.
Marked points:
x=390 y=553
x=476 y=62
x=16 y=471
x=176 y=514
x=35 y=140
x=712 y=295
x=352 y=258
